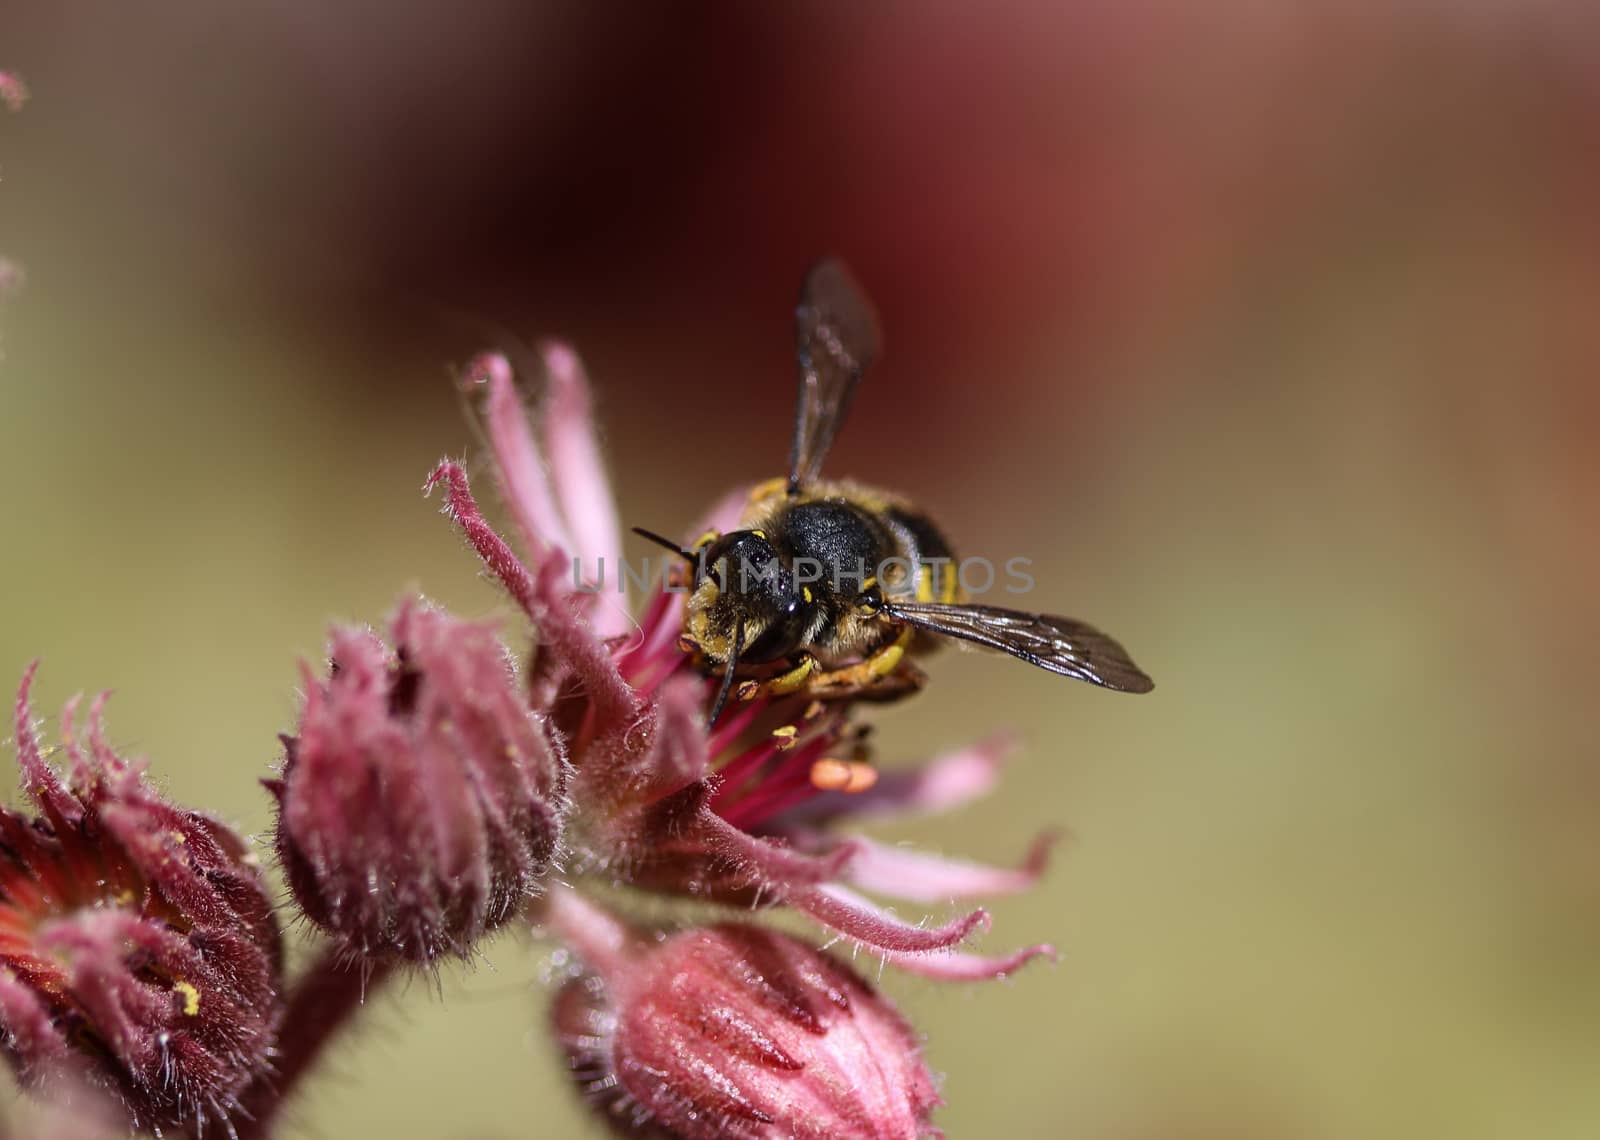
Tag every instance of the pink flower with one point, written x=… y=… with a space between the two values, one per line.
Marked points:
x=741 y=812
x=733 y=1031
x=13 y=94
x=420 y=803
x=138 y=949
x=13 y=91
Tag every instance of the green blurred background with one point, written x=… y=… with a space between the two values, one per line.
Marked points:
x=1267 y=331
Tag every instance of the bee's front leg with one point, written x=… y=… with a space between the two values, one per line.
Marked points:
x=790 y=681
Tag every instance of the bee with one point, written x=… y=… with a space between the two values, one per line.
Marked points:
x=831 y=588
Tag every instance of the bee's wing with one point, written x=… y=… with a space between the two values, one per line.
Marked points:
x=1058 y=644
x=836 y=337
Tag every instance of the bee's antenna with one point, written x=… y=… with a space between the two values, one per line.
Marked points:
x=662 y=541
x=727 y=676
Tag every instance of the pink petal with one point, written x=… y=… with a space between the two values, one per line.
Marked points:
x=956 y=966
x=679 y=844
x=32 y=1035
x=661 y=626
x=841 y=909
x=939 y=785
x=771 y=864
x=519 y=467
x=919 y=876
x=11 y=278
x=568 y=639
x=121 y=777
x=491 y=548
x=13 y=91
x=675 y=758
x=38 y=778
x=582 y=487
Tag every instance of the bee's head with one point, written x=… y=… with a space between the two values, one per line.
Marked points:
x=746 y=595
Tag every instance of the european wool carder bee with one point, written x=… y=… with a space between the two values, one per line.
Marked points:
x=831 y=588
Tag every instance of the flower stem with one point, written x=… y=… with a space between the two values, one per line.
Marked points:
x=325 y=998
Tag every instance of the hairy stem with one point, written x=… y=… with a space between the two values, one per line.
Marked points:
x=323 y=1001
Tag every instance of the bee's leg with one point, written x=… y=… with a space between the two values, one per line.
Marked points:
x=790 y=682
x=882 y=674
x=904 y=680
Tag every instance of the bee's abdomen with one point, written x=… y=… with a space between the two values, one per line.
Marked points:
x=931 y=559
x=925 y=540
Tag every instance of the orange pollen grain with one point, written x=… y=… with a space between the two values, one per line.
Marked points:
x=848 y=776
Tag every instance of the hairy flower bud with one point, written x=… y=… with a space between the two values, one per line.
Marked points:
x=420 y=802
x=741 y=1032
x=137 y=945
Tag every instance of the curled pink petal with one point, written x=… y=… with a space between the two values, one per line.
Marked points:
x=38 y=779
x=920 y=876
x=502 y=561
x=841 y=909
x=562 y=633
x=957 y=966
x=678 y=843
x=773 y=865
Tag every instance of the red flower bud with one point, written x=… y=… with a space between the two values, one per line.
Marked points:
x=137 y=943
x=420 y=803
x=736 y=1031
